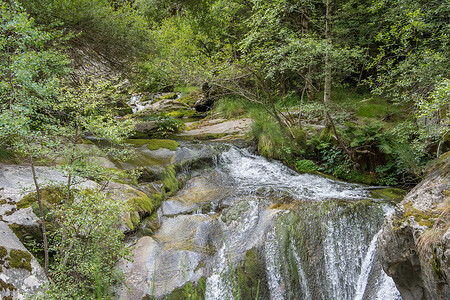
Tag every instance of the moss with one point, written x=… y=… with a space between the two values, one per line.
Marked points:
x=251 y=277
x=152 y=222
x=50 y=195
x=189 y=291
x=87 y=142
x=3 y=252
x=137 y=143
x=182 y=113
x=156 y=144
x=391 y=194
x=6 y=286
x=436 y=265
x=191 y=98
x=424 y=218
x=19 y=259
x=169 y=96
x=170 y=182
x=158 y=197
x=25 y=233
x=144 y=202
x=149 y=225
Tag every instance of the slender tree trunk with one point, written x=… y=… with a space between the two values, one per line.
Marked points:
x=327 y=83
x=41 y=213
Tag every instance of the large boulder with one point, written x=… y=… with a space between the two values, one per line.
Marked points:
x=210 y=94
x=414 y=246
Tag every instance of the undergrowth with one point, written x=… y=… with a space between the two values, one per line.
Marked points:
x=373 y=129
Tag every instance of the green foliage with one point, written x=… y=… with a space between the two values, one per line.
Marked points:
x=268 y=135
x=110 y=34
x=88 y=246
x=434 y=115
x=5 y=155
x=305 y=166
x=166 y=125
x=413 y=53
x=31 y=69
x=230 y=107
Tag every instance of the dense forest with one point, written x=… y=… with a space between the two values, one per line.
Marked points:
x=355 y=89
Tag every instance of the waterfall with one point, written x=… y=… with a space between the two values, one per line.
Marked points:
x=135 y=103
x=346 y=236
x=278 y=234
x=365 y=268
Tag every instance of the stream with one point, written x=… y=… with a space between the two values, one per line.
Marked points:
x=250 y=227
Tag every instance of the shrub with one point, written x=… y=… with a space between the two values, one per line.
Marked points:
x=305 y=166
x=165 y=124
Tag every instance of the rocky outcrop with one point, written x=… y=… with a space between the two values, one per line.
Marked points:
x=20 y=273
x=414 y=246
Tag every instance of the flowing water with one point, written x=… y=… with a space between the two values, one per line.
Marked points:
x=281 y=235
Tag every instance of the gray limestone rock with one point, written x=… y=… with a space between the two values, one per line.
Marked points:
x=21 y=275
x=415 y=241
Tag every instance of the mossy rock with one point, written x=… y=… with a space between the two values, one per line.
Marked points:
x=149 y=225
x=153 y=144
x=137 y=143
x=156 y=144
x=170 y=96
x=19 y=259
x=391 y=194
x=191 y=98
x=3 y=252
x=170 y=182
x=30 y=236
x=144 y=206
x=251 y=277
x=210 y=136
x=189 y=291
x=51 y=195
x=7 y=287
x=423 y=218
x=182 y=113
x=441 y=164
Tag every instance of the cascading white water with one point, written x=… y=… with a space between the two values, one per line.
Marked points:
x=135 y=104
x=220 y=284
x=311 y=237
x=365 y=268
x=253 y=172
x=348 y=245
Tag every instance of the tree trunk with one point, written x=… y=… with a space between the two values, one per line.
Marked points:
x=41 y=216
x=327 y=83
